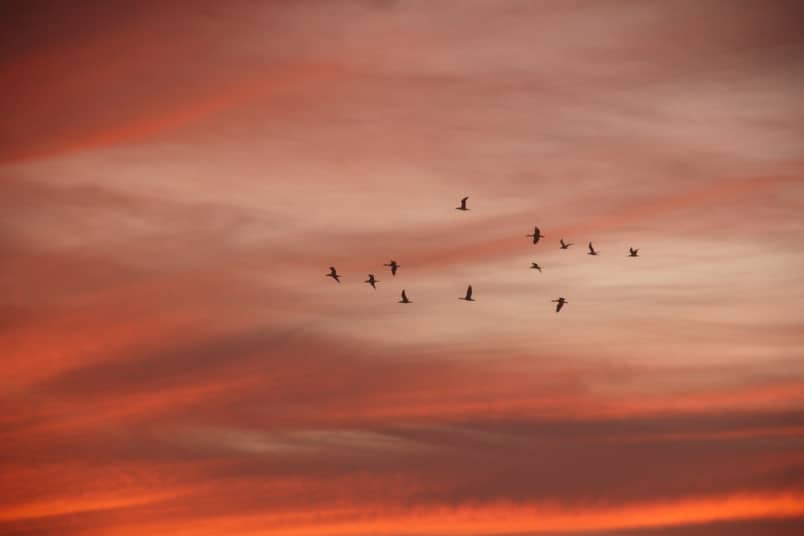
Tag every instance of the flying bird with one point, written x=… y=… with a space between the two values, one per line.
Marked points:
x=591 y=250
x=394 y=267
x=633 y=252
x=468 y=296
x=463 y=204
x=564 y=245
x=560 y=303
x=535 y=266
x=371 y=281
x=333 y=274
x=404 y=298
x=536 y=235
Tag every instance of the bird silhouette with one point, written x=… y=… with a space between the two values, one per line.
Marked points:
x=333 y=274
x=633 y=252
x=371 y=281
x=536 y=235
x=564 y=245
x=535 y=266
x=591 y=250
x=468 y=296
x=463 y=204
x=404 y=298
x=394 y=267
x=560 y=303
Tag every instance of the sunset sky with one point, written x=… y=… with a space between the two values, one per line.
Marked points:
x=177 y=177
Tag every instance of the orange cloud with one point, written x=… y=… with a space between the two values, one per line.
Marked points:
x=191 y=110
x=486 y=519
x=175 y=361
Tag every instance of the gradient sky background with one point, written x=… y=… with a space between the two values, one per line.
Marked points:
x=175 y=179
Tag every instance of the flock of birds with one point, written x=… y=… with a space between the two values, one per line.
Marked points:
x=536 y=236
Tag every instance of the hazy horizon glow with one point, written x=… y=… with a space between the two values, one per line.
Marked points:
x=176 y=179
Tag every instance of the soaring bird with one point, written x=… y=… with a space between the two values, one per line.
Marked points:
x=536 y=235
x=560 y=303
x=591 y=250
x=394 y=267
x=333 y=274
x=463 y=204
x=535 y=266
x=468 y=296
x=564 y=245
x=404 y=298
x=633 y=252
x=371 y=281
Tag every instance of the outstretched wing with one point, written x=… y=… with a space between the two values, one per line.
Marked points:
x=469 y=292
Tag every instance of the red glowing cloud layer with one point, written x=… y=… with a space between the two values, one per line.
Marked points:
x=176 y=179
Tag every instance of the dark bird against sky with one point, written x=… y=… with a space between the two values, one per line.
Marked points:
x=333 y=274
x=394 y=267
x=468 y=296
x=463 y=204
x=537 y=235
x=565 y=245
x=560 y=303
x=371 y=281
x=404 y=298
x=592 y=250
x=535 y=266
x=633 y=252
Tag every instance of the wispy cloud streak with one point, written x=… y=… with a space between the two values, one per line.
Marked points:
x=175 y=182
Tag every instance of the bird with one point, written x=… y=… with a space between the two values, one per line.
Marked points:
x=463 y=204
x=560 y=303
x=371 y=281
x=564 y=245
x=591 y=250
x=468 y=296
x=333 y=274
x=394 y=267
x=404 y=298
x=633 y=252
x=536 y=235
x=535 y=266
